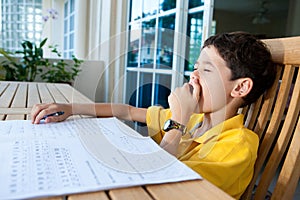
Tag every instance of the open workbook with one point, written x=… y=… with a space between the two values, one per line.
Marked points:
x=79 y=156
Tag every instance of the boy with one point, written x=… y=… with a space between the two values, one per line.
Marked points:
x=201 y=127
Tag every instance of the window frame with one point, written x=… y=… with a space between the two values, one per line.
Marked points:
x=68 y=32
x=177 y=72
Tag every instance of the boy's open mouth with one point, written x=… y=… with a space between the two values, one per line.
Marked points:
x=191 y=88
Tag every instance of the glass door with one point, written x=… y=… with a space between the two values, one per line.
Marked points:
x=164 y=40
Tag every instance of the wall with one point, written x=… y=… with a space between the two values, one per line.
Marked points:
x=293 y=28
x=229 y=21
x=236 y=16
x=104 y=25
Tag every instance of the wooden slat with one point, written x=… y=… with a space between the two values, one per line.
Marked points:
x=129 y=193
x=290 y=173
x=19 y=101
x=14 y=111
x=15 y=117
x=33 y=95
x=253 y=112
x=3 y=86
x=20 y=98
x=71 y=94
x=262 y=108
x=273 y=123
x=269 y=101
x=44 y=93
x=285 y=50
x=197 y=189
x=282 y=142
x=89 y=196
x=269 y=136
x=7 y=97
x=56 y=94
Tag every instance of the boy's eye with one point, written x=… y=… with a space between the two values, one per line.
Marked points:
x=207 y=70
x=196 y=66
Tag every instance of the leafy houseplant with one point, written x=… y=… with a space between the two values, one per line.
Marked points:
x=32 y=63
x=26 y=67
x=61 y=71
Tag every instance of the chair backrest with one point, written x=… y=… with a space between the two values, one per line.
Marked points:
x=275 y=118
x=90 y=79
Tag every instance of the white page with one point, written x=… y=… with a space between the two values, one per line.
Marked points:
x=78 y=156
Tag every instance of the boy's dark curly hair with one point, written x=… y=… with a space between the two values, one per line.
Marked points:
x=246 y=56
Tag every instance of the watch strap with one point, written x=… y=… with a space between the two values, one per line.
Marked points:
x=171 y=124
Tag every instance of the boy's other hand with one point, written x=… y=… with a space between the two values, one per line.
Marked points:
x=184 y=101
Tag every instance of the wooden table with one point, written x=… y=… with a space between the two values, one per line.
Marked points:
x=16 y=100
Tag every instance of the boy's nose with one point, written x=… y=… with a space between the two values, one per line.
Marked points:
x=194 y=75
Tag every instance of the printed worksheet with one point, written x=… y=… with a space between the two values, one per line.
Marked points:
x=79 y=156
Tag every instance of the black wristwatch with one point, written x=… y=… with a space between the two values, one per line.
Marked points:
x=171 y=124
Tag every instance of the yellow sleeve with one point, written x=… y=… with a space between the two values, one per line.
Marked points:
x=227 y=161
x=155 y=119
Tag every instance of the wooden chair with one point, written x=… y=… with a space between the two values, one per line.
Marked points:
x=275 y=117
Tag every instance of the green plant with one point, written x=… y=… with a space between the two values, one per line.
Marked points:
x=61 y=71
x=32 y=63
x=26 y=66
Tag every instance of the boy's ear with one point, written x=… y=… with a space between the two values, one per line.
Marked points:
x=242 y=88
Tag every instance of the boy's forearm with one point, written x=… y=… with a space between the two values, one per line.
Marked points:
x=170 y=141
x=122 y=111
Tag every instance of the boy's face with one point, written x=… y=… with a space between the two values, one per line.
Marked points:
x=213 y=76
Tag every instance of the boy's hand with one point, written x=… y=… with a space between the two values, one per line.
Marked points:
x=184 y=101
x=40 y=111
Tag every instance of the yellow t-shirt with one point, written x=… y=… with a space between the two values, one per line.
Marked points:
x=224 y=155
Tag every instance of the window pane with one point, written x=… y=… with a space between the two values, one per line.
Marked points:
x=134 y=39
x=148 y=44
x=195 y=3
x=145 y=90
x=165 y=41
x=194 y=31
x=162 y=90
x=131 y=88
x=135 y=10
x=72 y=6
x=66 y=9
x=65 y=43
x=71 y=41
x=69 y=27
x=72 y=23
x=150 y=7
x=65 y=26
x=165 y=5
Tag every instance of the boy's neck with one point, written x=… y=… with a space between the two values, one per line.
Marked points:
x=212 y=119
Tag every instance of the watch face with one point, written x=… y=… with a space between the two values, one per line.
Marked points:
x=170 y=124
x=167 y=125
